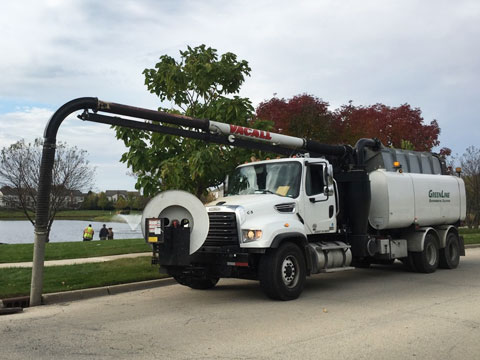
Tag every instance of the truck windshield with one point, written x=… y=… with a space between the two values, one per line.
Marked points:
x=281 y=178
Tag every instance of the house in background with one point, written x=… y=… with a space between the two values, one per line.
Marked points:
x=114 y=195
x=10 y=199
x=74 y=199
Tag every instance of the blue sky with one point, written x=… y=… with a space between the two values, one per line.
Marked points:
x=424 y=53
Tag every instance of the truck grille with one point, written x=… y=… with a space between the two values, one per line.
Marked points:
x=223 y=229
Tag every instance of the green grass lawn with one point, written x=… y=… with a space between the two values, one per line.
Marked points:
x=12 y=215
x=471 y=236
x=73 y=250
x=16 y=281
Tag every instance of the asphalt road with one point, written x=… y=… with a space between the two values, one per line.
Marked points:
x=379 y=313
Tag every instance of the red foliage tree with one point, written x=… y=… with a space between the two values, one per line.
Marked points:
x=303 y=116
x=309 y=117
x=389 y=124
x=445 y=151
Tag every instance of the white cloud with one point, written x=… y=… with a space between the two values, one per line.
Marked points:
x=26 y=123
x=104 y=150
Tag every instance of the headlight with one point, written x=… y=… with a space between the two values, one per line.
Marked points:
x=251 y=235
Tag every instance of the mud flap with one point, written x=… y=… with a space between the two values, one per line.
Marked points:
x=461 y=245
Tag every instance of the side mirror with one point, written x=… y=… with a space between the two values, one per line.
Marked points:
x=330 y=170
x=328 y=180
x=325 y=179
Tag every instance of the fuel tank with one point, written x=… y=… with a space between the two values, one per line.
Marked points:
x=402 y=199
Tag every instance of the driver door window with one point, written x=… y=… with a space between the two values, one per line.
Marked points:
x=314 y=181
x=319 y=208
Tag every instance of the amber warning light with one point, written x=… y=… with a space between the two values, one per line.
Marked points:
x=397 y=166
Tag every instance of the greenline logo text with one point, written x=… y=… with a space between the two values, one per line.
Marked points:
x=438 y=196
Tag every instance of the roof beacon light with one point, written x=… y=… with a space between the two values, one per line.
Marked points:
x=397 y=166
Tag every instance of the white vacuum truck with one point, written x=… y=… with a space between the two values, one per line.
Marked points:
x=326 y=209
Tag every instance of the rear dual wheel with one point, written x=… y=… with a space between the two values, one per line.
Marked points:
x=427 y=260
x=450 y=255
x=432 y=257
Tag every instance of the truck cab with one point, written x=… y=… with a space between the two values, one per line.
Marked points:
x=274 y=198
x=270 y=207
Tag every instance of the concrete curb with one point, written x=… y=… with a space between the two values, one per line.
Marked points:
x=471 y=246
x=8 y=311
x=67 y=296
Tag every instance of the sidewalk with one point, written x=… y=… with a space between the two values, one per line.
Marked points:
x=75 y=261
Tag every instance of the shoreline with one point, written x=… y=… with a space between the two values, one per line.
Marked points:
x=86 y=215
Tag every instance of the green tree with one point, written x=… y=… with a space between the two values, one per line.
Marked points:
x=470 y=163
x=102 y=201
x=139 y=202
x=90 y=201
x=131 y=200
x=406 y=145
x=121 y=203
x=197 y=85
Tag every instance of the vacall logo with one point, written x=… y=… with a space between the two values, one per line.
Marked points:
x=438 y=196
x=259 y=134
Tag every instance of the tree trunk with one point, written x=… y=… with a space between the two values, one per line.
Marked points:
x=199 y=192
x=49 y=227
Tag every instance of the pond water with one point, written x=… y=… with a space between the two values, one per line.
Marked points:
x=21 y=231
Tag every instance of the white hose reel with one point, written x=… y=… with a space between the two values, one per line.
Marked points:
x=180 y=205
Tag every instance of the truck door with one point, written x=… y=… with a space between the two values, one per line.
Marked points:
x=319 y=205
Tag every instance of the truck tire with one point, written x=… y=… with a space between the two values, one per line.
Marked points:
x=197 y=284
x=450 y=255
x=282 y=272
x=427 y=260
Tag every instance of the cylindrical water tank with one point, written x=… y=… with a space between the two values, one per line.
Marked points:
x=402 y=199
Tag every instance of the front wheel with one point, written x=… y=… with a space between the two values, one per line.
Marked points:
x=427 y=260
x=282 y=272
x=450 y=255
